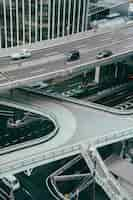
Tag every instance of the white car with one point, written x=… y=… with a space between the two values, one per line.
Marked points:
x=12 y=182
x=23 y=54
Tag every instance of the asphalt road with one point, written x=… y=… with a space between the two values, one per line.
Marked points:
x=49 y=62
x=76 y=124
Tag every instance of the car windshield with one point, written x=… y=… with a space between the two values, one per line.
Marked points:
x=100 y=53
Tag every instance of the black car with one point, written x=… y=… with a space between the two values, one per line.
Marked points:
x=104 y=54
x=72 y=55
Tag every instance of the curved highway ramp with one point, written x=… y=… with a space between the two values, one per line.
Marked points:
x=78 y=124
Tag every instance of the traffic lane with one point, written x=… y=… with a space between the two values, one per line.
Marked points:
x=64 y=118
x=112 y=122
x=90 y=116
x=90 y=41
x=95 y=123
x=54 y=67
x=22 y=76
x=56 y=49
x=67 y=135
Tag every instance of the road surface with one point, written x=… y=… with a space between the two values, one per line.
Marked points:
x=50 y=62
x=79 y=124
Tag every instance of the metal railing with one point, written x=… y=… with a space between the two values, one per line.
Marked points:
x=111 y=182
x=36 y=159
x=102 y=176
x=114 y=137
x=33 y=142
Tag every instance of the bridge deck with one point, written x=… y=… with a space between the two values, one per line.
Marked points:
x=78 y=124
x=49 y=62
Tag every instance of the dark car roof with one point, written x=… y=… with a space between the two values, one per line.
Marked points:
x=105 y=51
x=73 y=51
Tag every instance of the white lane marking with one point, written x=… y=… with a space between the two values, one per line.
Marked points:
x=40 y=70
x=51 y=53
x=33 y=63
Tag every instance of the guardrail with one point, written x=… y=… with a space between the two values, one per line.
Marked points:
x=36 y=159
x=32 y=142
x=80 y=102
x=114 y=137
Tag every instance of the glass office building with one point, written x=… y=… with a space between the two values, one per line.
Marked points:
x=28 y=21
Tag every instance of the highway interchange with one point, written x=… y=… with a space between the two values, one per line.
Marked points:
x=49 y=62
x=73 y=120
x=78 y=122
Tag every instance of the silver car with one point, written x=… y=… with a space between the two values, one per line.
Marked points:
x=20 y=55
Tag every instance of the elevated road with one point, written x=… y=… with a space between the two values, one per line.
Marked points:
x=50 y=61
x=78 y=124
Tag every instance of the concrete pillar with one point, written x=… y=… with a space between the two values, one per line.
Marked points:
x=97 y=74
x=116 y=71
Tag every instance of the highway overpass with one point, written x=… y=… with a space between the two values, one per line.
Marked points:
x=78 y=125
x=49 y=62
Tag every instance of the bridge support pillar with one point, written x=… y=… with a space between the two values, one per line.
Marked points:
x=116 y=71
x=97 y=74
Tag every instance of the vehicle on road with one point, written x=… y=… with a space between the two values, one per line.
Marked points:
x=28 y=120
x=104 y=54
x=21 y=55
x=72 y=55
x=11 y=181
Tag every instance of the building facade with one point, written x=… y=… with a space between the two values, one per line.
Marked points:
x=28 y=21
